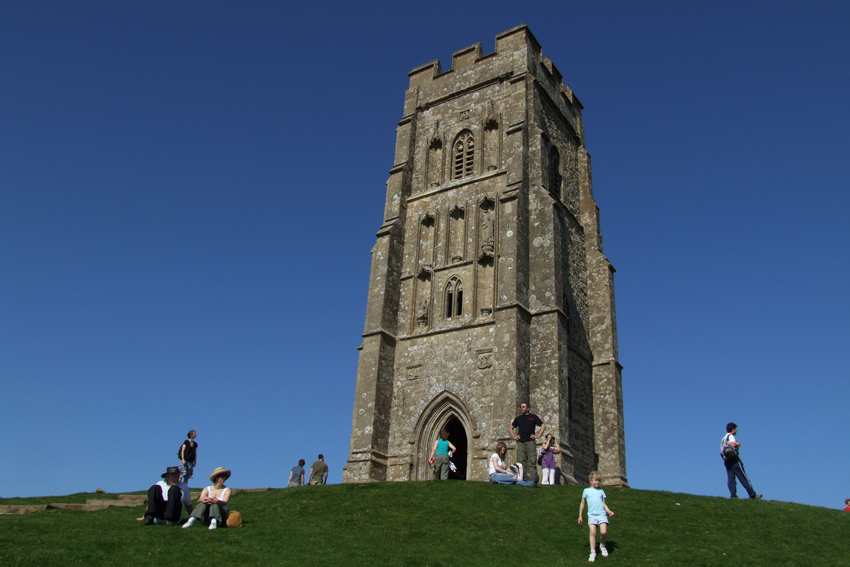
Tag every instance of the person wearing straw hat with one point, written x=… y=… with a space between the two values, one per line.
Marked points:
x=212 y=505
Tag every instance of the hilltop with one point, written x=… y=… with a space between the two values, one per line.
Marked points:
x=438 y=524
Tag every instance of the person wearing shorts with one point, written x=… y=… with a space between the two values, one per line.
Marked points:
x=597 y=514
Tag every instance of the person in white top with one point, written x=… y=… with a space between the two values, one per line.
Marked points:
x=165 y=499
x=212 y=505
x=499 y=473
x=729 y=448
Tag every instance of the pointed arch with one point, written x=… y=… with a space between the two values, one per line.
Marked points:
x=463 y=155
x=435 y=416
x=453 y=295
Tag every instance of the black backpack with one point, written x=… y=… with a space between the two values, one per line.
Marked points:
x=727 y=451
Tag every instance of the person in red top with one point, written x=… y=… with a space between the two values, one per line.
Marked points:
x=847 y=505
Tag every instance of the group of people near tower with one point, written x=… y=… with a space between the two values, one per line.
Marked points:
x=523 y=430
x=168 y=497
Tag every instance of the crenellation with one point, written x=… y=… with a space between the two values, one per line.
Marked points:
x=556 y=79
x=488 y=285
x=424 y=73
x=466 y=57
x=518 y=40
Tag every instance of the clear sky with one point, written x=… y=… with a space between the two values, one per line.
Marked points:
x=189 y=192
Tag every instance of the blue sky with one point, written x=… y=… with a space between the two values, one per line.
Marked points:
x=189 y=192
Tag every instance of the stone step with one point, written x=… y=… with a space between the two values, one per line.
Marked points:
x=122 y=502
x=100 y=505
x=22 y=508
x=134 y=497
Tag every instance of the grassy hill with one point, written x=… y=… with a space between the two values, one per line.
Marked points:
x=438 y=524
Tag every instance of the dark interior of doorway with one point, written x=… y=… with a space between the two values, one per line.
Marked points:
x=457 y=437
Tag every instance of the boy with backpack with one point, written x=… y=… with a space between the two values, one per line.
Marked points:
x=729 y=448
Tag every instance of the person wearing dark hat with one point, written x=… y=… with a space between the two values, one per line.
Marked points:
x=165 y=499
x=212 y=505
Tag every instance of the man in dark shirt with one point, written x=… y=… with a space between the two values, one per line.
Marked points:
x=522 y=430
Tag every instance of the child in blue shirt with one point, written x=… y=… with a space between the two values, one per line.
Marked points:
x=597 y=514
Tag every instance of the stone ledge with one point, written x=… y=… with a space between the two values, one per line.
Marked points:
x=82 y=507
x=122 y=501
x=22 y=508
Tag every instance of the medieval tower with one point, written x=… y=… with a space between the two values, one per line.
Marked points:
x=489 y=286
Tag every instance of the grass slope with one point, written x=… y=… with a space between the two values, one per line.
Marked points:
x=439 y=524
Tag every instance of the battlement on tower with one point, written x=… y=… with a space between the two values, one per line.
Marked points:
x=518 y=54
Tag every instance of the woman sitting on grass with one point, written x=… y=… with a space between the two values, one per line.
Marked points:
x=499 y=474
x=212 y=505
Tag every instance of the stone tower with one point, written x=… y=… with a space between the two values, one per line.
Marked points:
x=488 y=284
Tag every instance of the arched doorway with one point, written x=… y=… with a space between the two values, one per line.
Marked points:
x=445 y=411
x=460 y=440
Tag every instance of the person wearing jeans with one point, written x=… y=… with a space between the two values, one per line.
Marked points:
x=499 y=473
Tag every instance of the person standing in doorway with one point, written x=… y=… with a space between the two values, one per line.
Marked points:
x=729 y=450
x=188 y=457
x=523 y=432
x=440 y=456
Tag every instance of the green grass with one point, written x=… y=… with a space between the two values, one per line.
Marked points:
x=439 y=524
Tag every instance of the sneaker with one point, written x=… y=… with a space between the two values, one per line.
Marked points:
x=592 y=557
x=603 y=551
x=189 y=523
x=213 y=524
x=148 y=521
x=170 y=524
x=735 y=497
x=757 y=497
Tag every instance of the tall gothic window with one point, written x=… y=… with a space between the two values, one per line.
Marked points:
x=554 y=170
x=463 y=154
x=454 y=298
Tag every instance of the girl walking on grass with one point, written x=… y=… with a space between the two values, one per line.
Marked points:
x=597 y=514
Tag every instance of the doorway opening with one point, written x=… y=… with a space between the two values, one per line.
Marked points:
x=458 y=438
x=448 y=412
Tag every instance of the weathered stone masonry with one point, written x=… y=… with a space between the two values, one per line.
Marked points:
x=488 y=284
